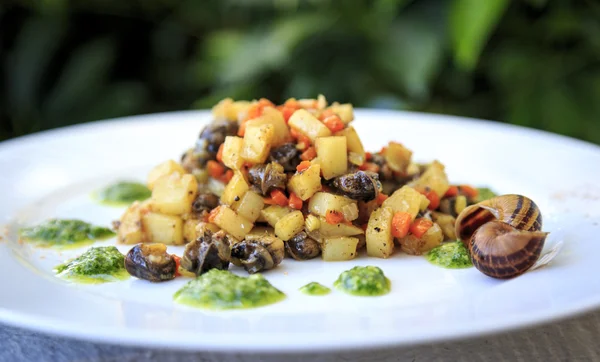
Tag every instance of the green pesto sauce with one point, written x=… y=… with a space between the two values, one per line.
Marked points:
x=97 y=265
x=485 y=194
x=314 y=288
x=221 y=289
x=452 y=255
x=363 y=281
x=65 y=233
x=123 y=193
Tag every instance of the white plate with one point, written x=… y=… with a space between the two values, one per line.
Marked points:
x=52 y=173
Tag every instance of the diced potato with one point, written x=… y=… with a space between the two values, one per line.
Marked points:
x=235 y=189
x=173 y=194
x=249 y=206
x=228 y=109
x=447 y=224
x=321 y=101
x=201 y=227
x=233 y=224
x=321 y=202
x=435 y=178
x=259 y=231
x=289 y=225
x=344 y=111
x=232 y=152
x=257 y=143
x=327 y=230
x=304 y=184
x=274 y=117
x=215 y=186
x=161 y=228
x=274 y=213
x=332 y=156
x=164 y=169
x=397 y=156
x=412 y=245
x=339 y=248
x=312 y=223
x=380 y=242
x=308 y=125
x=406 y=199
x=190 y=232
x=130 y=230
x=352 y=140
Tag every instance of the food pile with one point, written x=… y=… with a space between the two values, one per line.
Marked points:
x=264 y=182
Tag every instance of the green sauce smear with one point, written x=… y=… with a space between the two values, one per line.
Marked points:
x=123 y=193
x=485 y=193
x=314 y=288
x=221 y=289
x=363 y=281
x=97 y=265
x=64 y=233
x=452 y=255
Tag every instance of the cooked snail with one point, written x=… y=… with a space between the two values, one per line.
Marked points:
x=150 y=262
x=359 y=185
x=265 y=178
x=302 y=247
x=209 y=251
x=258 y=252
x=502 y=235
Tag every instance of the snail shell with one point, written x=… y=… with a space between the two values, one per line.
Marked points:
x=502 y=235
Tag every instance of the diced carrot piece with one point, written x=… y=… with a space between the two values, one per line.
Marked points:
x=242 y=129
x=452 y=191
x=420 y=226
x=295 y=202
x=334 y=217
x=381 y=197
x=434 y=199
x=227 y=176
x=268 y=201
x=279 y=198
x=215 y=169
x=401 y=223
x=303 y=166
x=220 y=153
x=334 y=123
x=254 y=111
x=213 y=214
x=265 y=103
x=468 y=191
x=383 y=149
x=292 y=103
x=287 y=113
x=369 y=166
x=368 y=156
x=309 y=154
x=326 y=113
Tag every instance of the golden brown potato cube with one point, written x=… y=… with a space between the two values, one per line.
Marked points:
x=232 y=152
x=130 y=229
x=233 y=224
x=406 y=199
x=322 y=202
x=330 y=230
x=289 y=225
x=164 y=169
x=273 y=117
x=235 y=189
x=174 y=194
x=304 y=184
x=161 y=228
x=412 y=245
x=229 y=110
x=274 y=213
x=257 y=143
x=249 y=206
x=344 y=111
x=380 y=242
x=332 y=156
x=397 y=156
x=308 y=125
x=352 y=140
x=435 y=178
x=339 y=248
x=189 y=230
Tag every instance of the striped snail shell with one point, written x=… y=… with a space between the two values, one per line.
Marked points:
x=502 y=235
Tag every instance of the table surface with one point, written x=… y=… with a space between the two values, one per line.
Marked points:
x=575 y=339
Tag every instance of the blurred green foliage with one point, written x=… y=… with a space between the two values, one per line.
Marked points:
x=529 y=62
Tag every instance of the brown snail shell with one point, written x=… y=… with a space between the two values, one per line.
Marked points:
x=502 y=235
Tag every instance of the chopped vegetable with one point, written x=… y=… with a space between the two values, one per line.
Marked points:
x=400 y=224
x=420 y=227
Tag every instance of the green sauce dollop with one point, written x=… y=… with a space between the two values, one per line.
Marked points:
x=452 y=255
x=97 y=265
x=314 y=288
x=123 y=193
x=364 y=281
x=65 y=233
x=485 y=194
x=221 y=289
